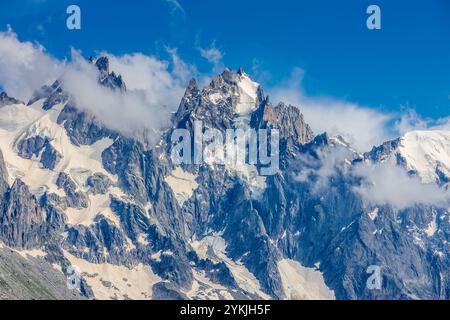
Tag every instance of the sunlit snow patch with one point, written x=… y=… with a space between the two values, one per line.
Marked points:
x=19 y=122
x=426 y=151
x=214 y=248
x=300 y=283
x=109 y=281
x=247 y=95
x=373 y=214
x=183 y=185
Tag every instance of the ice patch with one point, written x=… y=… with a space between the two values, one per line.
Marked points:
x=300 y=283
x=35 y=253
x=373 y=214
x=98 y=204
x=183 y=185
x=425 y=151
x=255 y=182
x=109 y=281
x=247 y=95
x=156 y=256
x=142 y=239
x=204 y=289
x=215 y=97
x=432 y=227
x=214 y=248
x=18 y=122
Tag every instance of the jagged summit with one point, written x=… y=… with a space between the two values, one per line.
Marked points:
x=102 y=64
x=53 y=95
x=7 y=100
x=234 y=99
x=107 y=78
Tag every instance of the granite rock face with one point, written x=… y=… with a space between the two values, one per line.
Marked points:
x=109 y=79
x=3 y=176
x=98 y=183
x=73 y=198
x=39 y=147
x=24 y=222
x=52 y=95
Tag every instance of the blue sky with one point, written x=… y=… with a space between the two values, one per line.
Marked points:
x=405 y=63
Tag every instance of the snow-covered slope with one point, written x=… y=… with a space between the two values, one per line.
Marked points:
x=19 y=122
x=247 y=95
x=426 y=153
x=300 y=283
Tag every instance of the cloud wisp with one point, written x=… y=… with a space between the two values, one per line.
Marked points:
x=152 y=94
x=214 y=56
x=410 y=121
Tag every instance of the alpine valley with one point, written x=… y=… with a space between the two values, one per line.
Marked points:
x=77 y=195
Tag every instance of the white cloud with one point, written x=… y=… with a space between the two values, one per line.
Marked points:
x=214 y=56
x=361 y=126
x=390 y=184
x=151 y=77
x=259 y=73
x=140 y=112
x=411 y=121
x=180 y=69
x=154 y=87
x=380 y=183
x=25 y=66
x=318 y=171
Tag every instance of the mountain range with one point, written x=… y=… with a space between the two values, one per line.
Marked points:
x=77 y=195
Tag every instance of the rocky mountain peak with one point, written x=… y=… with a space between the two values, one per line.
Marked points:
x=191 y=89
x=53 y=95
x=7 y=100
x=287 y=119
x=107 y=78
x=102 y=64
x=234 y=99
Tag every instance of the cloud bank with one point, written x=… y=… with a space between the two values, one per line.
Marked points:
x=154 y=87
x=361 y=126
x=152 y=94
x=25 y=66
x=390 y=184
x=319 y=171
x=379 y=183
